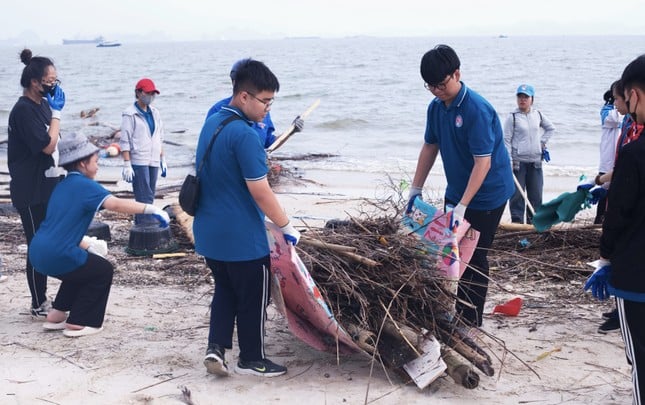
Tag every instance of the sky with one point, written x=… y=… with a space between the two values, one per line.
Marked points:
x=185 y=20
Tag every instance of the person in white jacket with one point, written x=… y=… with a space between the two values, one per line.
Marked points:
x=141 y=143
x=611 y=121
x=526 y=133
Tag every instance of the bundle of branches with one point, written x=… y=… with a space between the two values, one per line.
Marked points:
x=381 y=284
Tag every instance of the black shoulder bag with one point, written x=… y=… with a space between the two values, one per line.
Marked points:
x=189 y=193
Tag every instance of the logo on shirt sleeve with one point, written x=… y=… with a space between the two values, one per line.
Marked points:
x=459 y=121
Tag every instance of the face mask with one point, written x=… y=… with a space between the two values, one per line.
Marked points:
x=47 y=89
x=147 y=99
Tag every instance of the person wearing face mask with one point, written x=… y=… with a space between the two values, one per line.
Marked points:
x=621 y=268
x=141 y=145
x=526 y=133
x=34 y=131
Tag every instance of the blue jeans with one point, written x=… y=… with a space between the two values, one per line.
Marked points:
x=144 y=185
x=530 y=178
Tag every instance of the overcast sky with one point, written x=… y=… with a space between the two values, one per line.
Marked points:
x=50 y=21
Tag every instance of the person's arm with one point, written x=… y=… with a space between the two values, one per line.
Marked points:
x=427 y=157
x=476 y=179
x=267 y=201
x=54 y=135
x=549 y=130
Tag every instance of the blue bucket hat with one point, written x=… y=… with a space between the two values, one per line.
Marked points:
x=526 y=89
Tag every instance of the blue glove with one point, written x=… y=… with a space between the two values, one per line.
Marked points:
x=414 y=193
x=163 y=166
x=291 y=234
x=57 y=101
x=585 y=184
x=298 y=124
x=546 y=156
x=599 y=280
x=457 y=214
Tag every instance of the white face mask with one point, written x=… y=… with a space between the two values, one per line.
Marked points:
x=147 y=99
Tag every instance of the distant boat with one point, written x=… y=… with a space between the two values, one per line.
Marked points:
x=96 y=40
x=503 y=36
x=108 y=44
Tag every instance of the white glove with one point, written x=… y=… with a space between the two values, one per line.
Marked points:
x=458 y=214
x=161 y=215
x=97 y=246
x=291 y=234
x=128 y=172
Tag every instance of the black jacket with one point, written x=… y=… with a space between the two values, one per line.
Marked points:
x=623 y=230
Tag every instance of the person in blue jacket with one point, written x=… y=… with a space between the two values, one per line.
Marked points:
x=229 y=223
x=465 y=129
x=621 y=268
x=59 y=248
x=264 y=128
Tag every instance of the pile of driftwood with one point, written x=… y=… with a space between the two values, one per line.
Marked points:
x=383 y=289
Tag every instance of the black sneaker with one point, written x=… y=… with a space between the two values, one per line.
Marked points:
x=215 y=362
x=609 y=325
x=262 y=368
x=610 y=314
x=41 y=312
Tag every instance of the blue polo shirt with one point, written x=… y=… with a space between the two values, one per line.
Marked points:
x=54 y=249
x=265 y=129
x=228 y=224
x=470 y=128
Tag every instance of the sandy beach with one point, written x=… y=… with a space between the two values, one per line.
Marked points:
x=156 y=327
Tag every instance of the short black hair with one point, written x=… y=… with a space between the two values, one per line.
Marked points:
x=437 y=63
x=255 y=76
x=634 y=74
x=618 y=88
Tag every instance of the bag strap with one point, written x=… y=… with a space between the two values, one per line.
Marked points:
x=212 y=141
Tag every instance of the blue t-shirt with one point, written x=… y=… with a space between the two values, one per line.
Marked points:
x=54 y=249
x=228 y=224
x=466 y=129
x=265 y=128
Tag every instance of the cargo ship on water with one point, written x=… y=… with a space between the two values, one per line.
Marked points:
x=96 y=40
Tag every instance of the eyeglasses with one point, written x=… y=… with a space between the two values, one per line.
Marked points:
x=52 y=83
x=267 y=103
x=440 y=86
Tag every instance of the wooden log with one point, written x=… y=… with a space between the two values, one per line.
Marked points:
x=342 y=250
x=184 y=220
x=460 y=372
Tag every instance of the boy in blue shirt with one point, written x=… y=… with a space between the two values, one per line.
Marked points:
x=229 y=224
x=465 y=129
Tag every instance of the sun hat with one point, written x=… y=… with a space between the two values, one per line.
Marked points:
x=236 y=66
x=73 y=147
x=526 y=89
x=146 y=85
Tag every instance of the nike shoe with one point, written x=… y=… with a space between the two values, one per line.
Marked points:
x=215 y=362
x=41 y=312
x=262 y=368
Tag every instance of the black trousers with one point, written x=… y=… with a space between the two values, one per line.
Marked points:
x=473 y=284
x=84 y=292
x=31 y=218
x=632 y=327
x=241 y=296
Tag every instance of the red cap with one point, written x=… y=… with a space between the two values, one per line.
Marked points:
x=146 y=85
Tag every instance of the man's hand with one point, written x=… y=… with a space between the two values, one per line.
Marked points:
x=298 y=124
x=291 y=234
x=599 y=280
x=415 y=192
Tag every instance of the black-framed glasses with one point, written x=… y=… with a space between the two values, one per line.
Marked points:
x=439 y=86
x=53 y=83
x=267 y=103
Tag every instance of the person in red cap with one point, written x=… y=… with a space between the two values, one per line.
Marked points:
x=141 y=143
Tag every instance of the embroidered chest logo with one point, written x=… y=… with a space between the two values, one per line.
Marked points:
x=459 y=121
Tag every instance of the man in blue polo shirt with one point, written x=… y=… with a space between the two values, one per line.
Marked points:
x=465 y=129
x=229 y=224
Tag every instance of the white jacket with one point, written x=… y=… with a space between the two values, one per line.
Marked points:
x=610 y=133
x=525 y=133
x=145 y=150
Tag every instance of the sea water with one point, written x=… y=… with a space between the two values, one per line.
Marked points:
x=371 y=116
